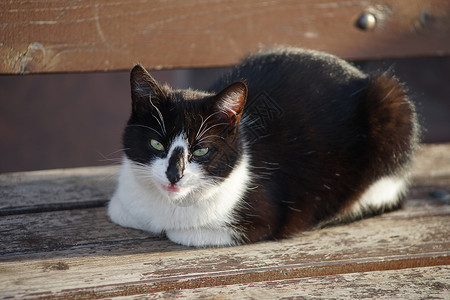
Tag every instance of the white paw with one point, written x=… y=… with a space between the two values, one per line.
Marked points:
x=119 y=215
x=202 y=237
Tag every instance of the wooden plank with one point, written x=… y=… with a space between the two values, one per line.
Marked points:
x=42 y=252
x=416 y=283
x=432 y=164
x=63 y=35
x=63 y=230
x=89 y=228
x=100 y=262
x=27 y=192
x=54 y=190
x=55 y=284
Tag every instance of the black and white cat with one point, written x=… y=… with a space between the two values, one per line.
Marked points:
x=289 y=140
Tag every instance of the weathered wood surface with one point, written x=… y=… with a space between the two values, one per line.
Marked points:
x=27 y=192
x=417 y=283
x=63 y=253
x=63 y=35
x=106 y=264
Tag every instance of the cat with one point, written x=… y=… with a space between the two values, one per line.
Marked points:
x=290 y=139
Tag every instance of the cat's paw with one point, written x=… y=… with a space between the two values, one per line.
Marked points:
x=120 y=215
x=202 y=237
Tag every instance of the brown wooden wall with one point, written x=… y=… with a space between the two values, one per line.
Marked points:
x=65 y=35
x=67 y=120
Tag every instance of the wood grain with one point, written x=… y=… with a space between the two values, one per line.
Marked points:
x=63 y=36
x=432 y=164
x=62 y=230
x=23 y=192
x=50 y=231
x=97 y=267
x=416 y=283
x=26 y=192
x=79 y=253
x=105 y=276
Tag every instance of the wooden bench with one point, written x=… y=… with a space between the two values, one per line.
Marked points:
x=56 y=241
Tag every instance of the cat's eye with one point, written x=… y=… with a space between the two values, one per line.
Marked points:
x=200 y=152
x=156 y=145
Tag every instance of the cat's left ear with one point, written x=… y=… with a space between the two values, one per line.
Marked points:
x=231 y=101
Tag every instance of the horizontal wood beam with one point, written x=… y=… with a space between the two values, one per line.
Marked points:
x=99 y=259
x=68 y=36
x=395 y=284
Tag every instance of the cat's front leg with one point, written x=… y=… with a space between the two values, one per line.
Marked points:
x=202 y=237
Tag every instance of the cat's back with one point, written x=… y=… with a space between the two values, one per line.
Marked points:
x=284 y=73
x=280 y=62
x=321 y=133
x=288 y=84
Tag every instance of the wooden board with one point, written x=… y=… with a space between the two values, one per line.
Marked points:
x=90 y=227
x=96 y=268
x=25 y=192
x=416 y=283
x=62 y=35
x=432 y=164
x=40 y=191
x=78 y=253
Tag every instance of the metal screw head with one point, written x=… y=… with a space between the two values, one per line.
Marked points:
x=366 y=21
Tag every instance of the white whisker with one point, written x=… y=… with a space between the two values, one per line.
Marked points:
x=163 y=127
x=200 y=132
x=210 y=136
x=115 y=160
x=210 y=127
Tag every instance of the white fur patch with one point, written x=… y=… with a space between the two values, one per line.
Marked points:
x=201 y=237
x=383 y=194
x=199 y=215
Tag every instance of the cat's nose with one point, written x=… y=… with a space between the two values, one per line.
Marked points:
x=176 y=166
x=174 y=174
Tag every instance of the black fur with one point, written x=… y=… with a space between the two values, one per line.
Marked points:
x=176 y=166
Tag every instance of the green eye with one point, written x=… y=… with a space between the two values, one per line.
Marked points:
x=157 y=145
x=200 y=152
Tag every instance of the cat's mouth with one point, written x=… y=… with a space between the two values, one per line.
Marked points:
x=177 y=194
x=171 y=188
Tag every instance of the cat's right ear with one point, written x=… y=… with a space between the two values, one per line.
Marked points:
x=145 y=91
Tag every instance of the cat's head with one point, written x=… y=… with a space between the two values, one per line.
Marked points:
x=182 y=143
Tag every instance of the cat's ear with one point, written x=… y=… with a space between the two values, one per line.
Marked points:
x=145 y=90
x=231 y=101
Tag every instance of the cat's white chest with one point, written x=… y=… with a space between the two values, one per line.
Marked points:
x=203 y=220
